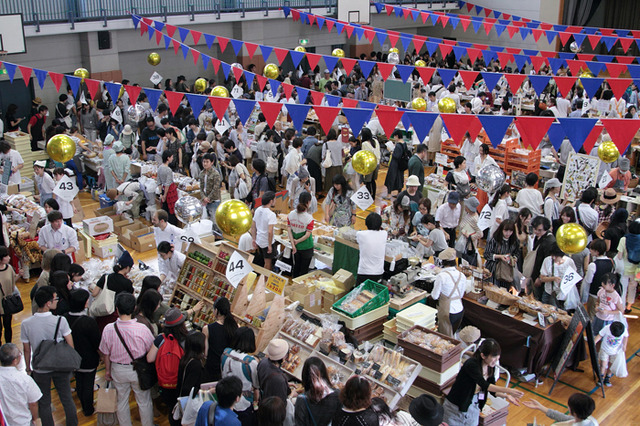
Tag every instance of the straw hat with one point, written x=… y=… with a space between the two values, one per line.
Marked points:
x=469 y=334
x=448 y=254
x=610 y=196
x=277 y=349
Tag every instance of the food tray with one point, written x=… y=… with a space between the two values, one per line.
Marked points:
x=500 y=297
x=432 y=388
x=381 y=298
x=369 y=331
x=338 y=373
x=438 y=377
x=427 y=358
x=303 y=354
x=359 y=321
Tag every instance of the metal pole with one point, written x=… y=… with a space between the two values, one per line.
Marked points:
x=71 y=20
x=36 y=19
x=163 y=8
x=134 y=9
x=192 y=12
x=103 y=12
x=307 y=3
x=265 y=5
x=216 y=8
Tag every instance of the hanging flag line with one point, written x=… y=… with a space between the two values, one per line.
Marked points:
x=551 y=31
x=538 y=82
x=475 y=50
x=532 y=23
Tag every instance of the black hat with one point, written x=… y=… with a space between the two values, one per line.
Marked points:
x=426 y=410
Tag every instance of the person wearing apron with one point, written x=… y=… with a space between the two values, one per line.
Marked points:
x=448 y=289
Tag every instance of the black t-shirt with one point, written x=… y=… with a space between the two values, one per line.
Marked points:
x=218 y=342
x=150 y=137
x=614 y=234
x=190 y=377
x=117 y=283
x=9 y=119
x=86 y=339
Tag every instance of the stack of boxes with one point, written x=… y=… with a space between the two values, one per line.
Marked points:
x=97 y=237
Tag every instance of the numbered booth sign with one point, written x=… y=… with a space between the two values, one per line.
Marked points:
x=237 y=268
x=189 y=236
x=66 y=189
x=362 y=198
x=484 y=220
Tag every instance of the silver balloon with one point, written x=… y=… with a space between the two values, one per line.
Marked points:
x=136 y=113
x=490 y=178
x=188 y=209
x=393 y=58
x=575 y=48
x=237 y=65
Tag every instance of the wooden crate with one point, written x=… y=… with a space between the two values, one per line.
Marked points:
x=499 y=153
x=429 y=359
x=450 y=149
x=525 y=163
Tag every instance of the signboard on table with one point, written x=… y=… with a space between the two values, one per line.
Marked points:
x=581 y=173
x=237 y=268
x=362 y=198
x=276 y=283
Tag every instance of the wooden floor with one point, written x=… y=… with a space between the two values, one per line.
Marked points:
x=618 y=408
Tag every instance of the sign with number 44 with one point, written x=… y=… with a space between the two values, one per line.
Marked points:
x=237 y=268
x=362 y=198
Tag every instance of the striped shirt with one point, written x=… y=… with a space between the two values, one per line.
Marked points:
x=136 y=335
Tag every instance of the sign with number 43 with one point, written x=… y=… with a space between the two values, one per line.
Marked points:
x=66 y=189
x=362 y=198
x=237 y=268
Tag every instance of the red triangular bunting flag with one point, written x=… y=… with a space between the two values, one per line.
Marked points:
x=216 y=64
x=237 y=73
x=281 y=54
x=385 y=69
x=174 y=99
x=143 y=28
x=389 y=120
x=481 y=46
x=473 y=54
x=458 y=124
x=582 y=56
x=251 y=49
x=57 y=79
x=504 y=58
x=316 y=97
x=619 y=86
x=513 y=50
x=622 y=131
x=133 y=92
x=425 y=73
x=271 y=110
x=537 y=34
x=326 y=116
x=591 y=139
x=196 y=56
x=512 y=30
x=625 y=59
x=219 y=105
x=564 y=37
x=92 y=86
x=313 y=60
x=445 y=49
x=262 y=81
x=369 y=35
x=171 y=30
x=418 y=43
x=576 y=66
x=487 y=27
x=406 y=13
x=443 y=19
x=389 y=9
x=565 y=84
x=348 y=64
x=474 y=128
x=381 y=107
x=223 y=41
x=625 y=43
x=349 y=29
x=533 y=129
x=469 y=7
x=515 y=81
x=26 y=74
x=176 y=46
x=329 y=23
x=594 y=40
x=465 y=23
x=393 y=38
x=349 y=103
x=196 y=36
x=424 y=16
x=548 y=54
x=615 y=69
x=287 y=89
x=312 y=19
x=538 y=62
x=159 y=37
x=468 y=77
x=295 y=14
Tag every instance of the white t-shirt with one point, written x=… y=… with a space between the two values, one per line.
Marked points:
x=372 y=249
x=245 y=243
x=446 y=281
x=500 y=211
x=264 y=217
x=530 y=198
x=611 y=344
x=588 y=216
x=549 y=269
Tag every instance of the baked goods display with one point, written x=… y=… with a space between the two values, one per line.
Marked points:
x=356 y=300
x=292 y=360
x=429 y=341
x=302 y=330
x=388 y=366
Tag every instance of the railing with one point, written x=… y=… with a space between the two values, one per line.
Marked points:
x=36 y=12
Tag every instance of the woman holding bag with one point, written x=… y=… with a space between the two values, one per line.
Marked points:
x=501 y=254
x=106 y=290
x=8 y=278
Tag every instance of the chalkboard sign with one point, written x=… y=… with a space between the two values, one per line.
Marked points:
x=397 y=90
x=580 y=323
x=6 y=171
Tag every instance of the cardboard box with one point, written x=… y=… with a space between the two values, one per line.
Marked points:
x=311 y=302
x=97 y=225
x=127 y=230
x=84 y=241
x=117 y=226
x=78 y=217
x=328 y=299
x=105 y=251
x=143 y=239
x=344 y=279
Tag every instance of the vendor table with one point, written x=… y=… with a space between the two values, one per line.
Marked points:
x=523 y=345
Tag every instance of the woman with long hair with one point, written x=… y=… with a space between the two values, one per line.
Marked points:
x=333 y=148
x=116 y=282
x=396 y=218
x=300 y=226
x=567 y=215
x=237 y=360
x=502 y=247
x=191 y=368
x=464 y=402
x=63 y=285
x=168 y=188
x=219 y=336
x=356 y=404
x=319 y=402
x=369 y=143
x=339 y=209
x=499 y=207
x=523 y=221
x=616 y=230
x=458 y=178
x=146 y=307
x=8 y=279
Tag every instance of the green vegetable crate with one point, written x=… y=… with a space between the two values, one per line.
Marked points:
x=381 y=298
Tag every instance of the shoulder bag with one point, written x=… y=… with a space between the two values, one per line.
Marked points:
x=104 y=304
x=11 y=304
x=147 y=376
x=504 y=271
x=52 y=355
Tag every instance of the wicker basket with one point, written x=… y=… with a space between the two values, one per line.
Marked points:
x=495 y=294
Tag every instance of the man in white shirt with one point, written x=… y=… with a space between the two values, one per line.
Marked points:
x=170 y=262
x=264 y=221
x=57 y=235
x=470 y=150
x=19 y=393
x=44 y=181
x=164 y=231
x=448 y=215
x=131 y=193
x=17 y=163
x=530 y=197
x=372 y=243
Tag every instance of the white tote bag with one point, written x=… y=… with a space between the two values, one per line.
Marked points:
x=104 y=304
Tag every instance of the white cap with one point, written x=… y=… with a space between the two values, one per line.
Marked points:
x=40 y=163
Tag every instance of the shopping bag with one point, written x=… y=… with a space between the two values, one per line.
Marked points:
x=192 y=406
x=619 y=365
x=107 y=399
x=104 y=304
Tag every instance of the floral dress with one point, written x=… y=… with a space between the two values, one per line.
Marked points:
x=344 y=207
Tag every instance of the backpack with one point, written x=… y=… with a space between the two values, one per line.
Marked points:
x=167 y=362
x=246 y=364
x=254 y=194
x=633 y=248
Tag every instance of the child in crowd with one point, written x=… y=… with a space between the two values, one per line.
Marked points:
x=609 y=303
x=614 y=339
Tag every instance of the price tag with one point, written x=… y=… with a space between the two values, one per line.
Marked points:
x=6 y=171
x=276 y=283
x=441 y=159
x=237 y=92
x=189 y=236
x=362 y=198
x=222 y=126
x=541 y=319
x=155 y=78
x=604 y=180
x=66 y=188
x=237 y=268
x=570 y=278
x=484 y=220
x=283 y=266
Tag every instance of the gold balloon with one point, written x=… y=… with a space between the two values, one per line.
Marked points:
x=338 y=53
x=420 y=63
x=364 y=162
x=61 y=148
x=233 y=217
x=200 y=85
x=419 y=104
x=271 y=71
x=447 y=105
x=220 y=91
x=571 y=238
x=82 y=73
x=300 y=49
x=154 y=58
x=608 y=152
x=394 y=50
x=584 y=74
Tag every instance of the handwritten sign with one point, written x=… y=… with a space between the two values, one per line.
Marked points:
x=189 y=236
x=276 y=283
x=237 y=268
x=362 y=198
x=604 y=180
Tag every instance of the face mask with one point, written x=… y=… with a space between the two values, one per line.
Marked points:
x=509 y=200
x=46 y=114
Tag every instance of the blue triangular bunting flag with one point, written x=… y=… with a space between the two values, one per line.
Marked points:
x=196 y=102
x=495 y=126
x=244 y=108
x=577 y=130
x=296 y=57
x=488 y=55
x=556 y=64
x=366 y=67
x=591 y=85
x=556 y=135
x=209 y=39
x=114 y=90
x=446 y=75
x=491 y=79
x=206 y=60
x=158 y=25
x=226 y=69
x=367 y=105
x=406 y=42
x=332 y=100
x=405 y=71
x=167 y=41
x=302 y=94
x=521 y=60
x=266 y=52
x=11 y=71
x=298 y=113
x=184 y=32
x=454 y=22
x=185 y=50
x=153 y=96
x=551 y=35
x=382 y=37
x=422 y=123
x=74 y=83
x=459 y=52
x=539 y=82
x=274 y=85
x=237 y=45
x=330 y=61
x=41 y=75
x=359 y=32
x=249 y=76
x=595 y=67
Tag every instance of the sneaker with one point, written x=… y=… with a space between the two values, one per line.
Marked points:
x=607 y=381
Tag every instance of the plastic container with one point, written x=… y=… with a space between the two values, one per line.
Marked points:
x=105 y=201
x=381 y=298
x=364 y=319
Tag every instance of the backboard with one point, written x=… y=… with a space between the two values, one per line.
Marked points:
x=12 y=34
x=354 y=11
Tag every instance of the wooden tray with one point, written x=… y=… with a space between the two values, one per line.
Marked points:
x=427 y=358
